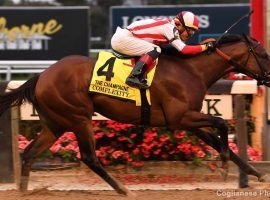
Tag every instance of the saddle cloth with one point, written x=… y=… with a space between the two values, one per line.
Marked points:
x=109 y=76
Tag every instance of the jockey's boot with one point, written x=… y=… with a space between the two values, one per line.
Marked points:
x=137 y=75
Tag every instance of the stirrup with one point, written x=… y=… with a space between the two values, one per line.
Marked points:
x=135 y=82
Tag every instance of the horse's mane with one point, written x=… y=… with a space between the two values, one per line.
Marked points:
x=230 y=38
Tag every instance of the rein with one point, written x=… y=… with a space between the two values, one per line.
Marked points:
x=235 y=64
x=261 y=78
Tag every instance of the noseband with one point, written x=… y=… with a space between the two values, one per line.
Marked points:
x=262 y=78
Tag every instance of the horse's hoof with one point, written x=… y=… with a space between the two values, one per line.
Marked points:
x=22 y=190
x=265 y=178
x=224 y=170
x=126 y=192
x=224 y=173
x=131 y=195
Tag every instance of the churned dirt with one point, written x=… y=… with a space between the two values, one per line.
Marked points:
x=140 y=195
x=81 y=184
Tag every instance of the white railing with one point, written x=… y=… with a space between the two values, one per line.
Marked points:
x=23 y=67
x=29 y=67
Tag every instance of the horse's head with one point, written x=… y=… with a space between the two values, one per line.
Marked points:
x=252 y=59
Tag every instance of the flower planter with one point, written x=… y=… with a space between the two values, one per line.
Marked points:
x=137 y=146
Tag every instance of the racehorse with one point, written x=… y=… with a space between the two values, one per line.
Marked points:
x=61 y=97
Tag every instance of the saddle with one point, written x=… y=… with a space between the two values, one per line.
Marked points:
x=109 y=75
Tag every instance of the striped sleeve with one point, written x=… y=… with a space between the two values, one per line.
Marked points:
x=188 y=49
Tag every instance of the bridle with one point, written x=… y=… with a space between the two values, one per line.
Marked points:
x=262 y=78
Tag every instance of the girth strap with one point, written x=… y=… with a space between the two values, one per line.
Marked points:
x=145 y=109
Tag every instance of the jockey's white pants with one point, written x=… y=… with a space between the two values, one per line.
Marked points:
x=123 y=41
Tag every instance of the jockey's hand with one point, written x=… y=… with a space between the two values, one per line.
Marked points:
x=211 y=46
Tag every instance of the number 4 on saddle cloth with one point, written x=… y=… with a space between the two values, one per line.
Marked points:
x=110 y=74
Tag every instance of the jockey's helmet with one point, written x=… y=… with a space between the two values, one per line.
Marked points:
x=187 y=19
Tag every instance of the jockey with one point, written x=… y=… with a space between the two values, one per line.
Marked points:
x=142 y=38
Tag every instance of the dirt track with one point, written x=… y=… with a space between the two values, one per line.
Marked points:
x=82 y=184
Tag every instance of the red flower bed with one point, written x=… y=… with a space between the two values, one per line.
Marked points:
x=128 y=144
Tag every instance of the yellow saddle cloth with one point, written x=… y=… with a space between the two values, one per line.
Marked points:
x=110 y=74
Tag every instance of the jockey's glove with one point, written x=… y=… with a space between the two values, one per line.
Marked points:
x=211 y=46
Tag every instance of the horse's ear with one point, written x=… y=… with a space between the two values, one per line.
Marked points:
x=245 y=37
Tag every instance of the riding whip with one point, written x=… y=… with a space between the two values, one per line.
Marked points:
x=234 y=24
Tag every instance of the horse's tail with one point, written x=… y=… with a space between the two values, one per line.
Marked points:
x=18 y=96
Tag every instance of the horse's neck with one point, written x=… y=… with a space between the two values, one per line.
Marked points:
x=204 y=68
x=210 y=68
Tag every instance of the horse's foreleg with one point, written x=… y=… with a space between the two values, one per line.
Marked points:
x=42 y=142
x=193 y=120
x=86 y=143
x=214 y=142
x=224 y=146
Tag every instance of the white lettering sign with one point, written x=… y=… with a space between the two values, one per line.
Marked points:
x=218 y=106
x=204 y=21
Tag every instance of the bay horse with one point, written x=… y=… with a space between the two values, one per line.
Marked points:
x=61 y=97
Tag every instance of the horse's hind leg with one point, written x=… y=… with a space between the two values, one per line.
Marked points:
x=214 y=142
x=86 y=143
x=42 y=142
x=193 y=120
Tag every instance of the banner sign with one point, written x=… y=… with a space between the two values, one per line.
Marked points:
x=213 y=19
x=43 y=33
x=216 y=105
